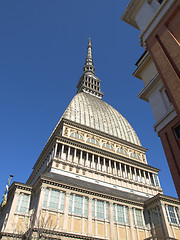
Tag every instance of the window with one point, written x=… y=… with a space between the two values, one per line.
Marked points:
x=93 y=141
x=177 y=132
x=120 y=214
x=54 y=199
x=78 y=205
x=78 y=202
x=138 y=217
x=108 y=146
x=156 y=181
x=156 y=216
x=23 y=203
x=76 y=135
x=100 y=209
x=121 y=150
x=172 y=214
x=135 y=155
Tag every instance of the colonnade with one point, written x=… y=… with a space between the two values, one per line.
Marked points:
x=106 y=165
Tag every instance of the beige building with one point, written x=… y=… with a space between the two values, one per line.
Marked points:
x=92 y=179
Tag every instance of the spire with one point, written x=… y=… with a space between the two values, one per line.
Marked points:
x=88 y=82
x=89 y=67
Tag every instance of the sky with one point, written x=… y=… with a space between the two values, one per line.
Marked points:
x=43 y=48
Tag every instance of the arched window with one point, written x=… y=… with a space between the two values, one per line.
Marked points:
x=135 y=155
x=93 y=141
x=108 y=146
x=76 y=135
x=121 y=150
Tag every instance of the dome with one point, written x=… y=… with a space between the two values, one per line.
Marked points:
x=93 y=112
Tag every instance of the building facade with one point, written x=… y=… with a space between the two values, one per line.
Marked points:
x=92 y=179
x=159 y=68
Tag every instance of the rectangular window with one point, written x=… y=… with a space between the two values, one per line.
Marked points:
x=156 y=180
x=70 y=203
x=107 y=211
x=177 y=132
x=54 y=199
x=93 y=208
x=172 y=215
x=23 y=203
x=78 y=205
x=46 y=197
x=100 y=209
x=120 y=214
x=114 y=212
x=62 y=201
x=126 y=215
x=139 y=219
x=155 y=217
x=85 y=206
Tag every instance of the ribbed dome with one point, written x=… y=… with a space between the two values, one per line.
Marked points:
x=93 y=112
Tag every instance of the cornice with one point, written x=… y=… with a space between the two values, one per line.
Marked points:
x=78 y=189
x=160 y=197
x=146 y=90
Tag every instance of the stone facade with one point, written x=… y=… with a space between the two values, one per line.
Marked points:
x=91 y=181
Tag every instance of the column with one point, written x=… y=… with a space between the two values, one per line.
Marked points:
x=149 y=177
x=145 y=181
x=72 y=219
x=81 y=154
x=120 y=168
x=62 y=151
x=154 y=182
x=111 y=221
x=95 y=204
x=75 y=151
x=92 y=165
x=124 y=211
x=110 y=166
x=104 y=165
x=55 y=151
x=86 y=163
x=125 y=169
x=99 y=167
x=158 y=181
x=159 y=219
x=66 y=209
x=130 y=170
x=39 y=205
x=83 y=220
x=135 y=173
x=89 y=227
x=115 y=168
x=165 y=220
x=140 y=177
x=8 y=225
x=131 y=224
x=69 y=149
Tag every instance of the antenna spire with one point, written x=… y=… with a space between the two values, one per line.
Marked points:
x=89 y=67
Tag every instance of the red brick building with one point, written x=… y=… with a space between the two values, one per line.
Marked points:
x=159 y=23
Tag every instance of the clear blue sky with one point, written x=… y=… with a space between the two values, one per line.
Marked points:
x=42 y=53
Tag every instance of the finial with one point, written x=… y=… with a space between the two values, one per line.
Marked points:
x=89 y=43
